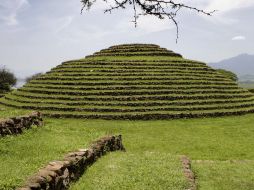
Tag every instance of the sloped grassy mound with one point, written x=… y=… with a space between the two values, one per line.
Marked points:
x=135 y=81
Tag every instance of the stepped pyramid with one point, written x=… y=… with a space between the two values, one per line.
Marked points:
x=133 y=81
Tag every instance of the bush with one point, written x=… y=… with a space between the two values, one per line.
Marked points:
x=4 y=87
x=7 y=79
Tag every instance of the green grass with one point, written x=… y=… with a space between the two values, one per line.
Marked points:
x=218 y=139
x=6 y=112
x=21 y=156
x=208 y=139
x=153 y=147
x=225 y=175
x=146 y=170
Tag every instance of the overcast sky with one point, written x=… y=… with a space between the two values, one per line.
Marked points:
x=37 y=35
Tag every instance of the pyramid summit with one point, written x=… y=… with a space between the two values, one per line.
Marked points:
x=133 y=81
x=135 y=50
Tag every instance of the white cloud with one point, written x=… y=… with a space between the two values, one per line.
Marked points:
x=220 y=5
x=10 y=9
x=228 y=5
x=238 y=38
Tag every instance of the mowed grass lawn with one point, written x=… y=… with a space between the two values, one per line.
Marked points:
x=221 y=150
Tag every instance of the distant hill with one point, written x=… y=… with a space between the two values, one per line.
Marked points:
x=242 y=65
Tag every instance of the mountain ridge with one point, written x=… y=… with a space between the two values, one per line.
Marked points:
x=242 y=65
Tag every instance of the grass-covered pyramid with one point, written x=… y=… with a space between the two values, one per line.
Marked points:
x=135 y=81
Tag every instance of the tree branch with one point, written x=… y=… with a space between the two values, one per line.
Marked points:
x=159 y=8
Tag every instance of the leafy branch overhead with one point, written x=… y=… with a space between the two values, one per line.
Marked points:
x=159 y=8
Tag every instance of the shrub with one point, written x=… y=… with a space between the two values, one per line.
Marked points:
x=4 y=87
x=7 y=79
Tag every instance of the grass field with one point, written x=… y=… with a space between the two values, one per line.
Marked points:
x=221 y=150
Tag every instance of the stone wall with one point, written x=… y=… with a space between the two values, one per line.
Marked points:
x=251 y=90
x=16 y=125
x=186 y=162
x=58 y=175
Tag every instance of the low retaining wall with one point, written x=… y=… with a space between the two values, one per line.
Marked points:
x=188 y=172
x=251 y=90
x=58 y=175
x=16 y=125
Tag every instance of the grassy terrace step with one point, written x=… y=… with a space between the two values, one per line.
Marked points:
x=145 y=70
x=152 y=83
x=121 y=71
x=2 y=95
x=150 y=115
x=135 y=60
x=136 y=54
x=251 y=90
x=137 y=64
x=132 y=67
x=167 y=78
x=134 y=45
x=134 y=98
x=143 y=49
x=120 y=75
x=127 y=109
x=169 y=69
x=13 y=97
x=139 y=87
x=151 y=73
x=133 y=92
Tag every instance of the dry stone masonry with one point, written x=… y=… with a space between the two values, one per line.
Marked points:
x=58 y=175
x=16 y=125
x=186 y=162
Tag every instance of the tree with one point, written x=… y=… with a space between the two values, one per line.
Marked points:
x=158 y=8
x=28 y=79
x=228 y=74
x=7 y=79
